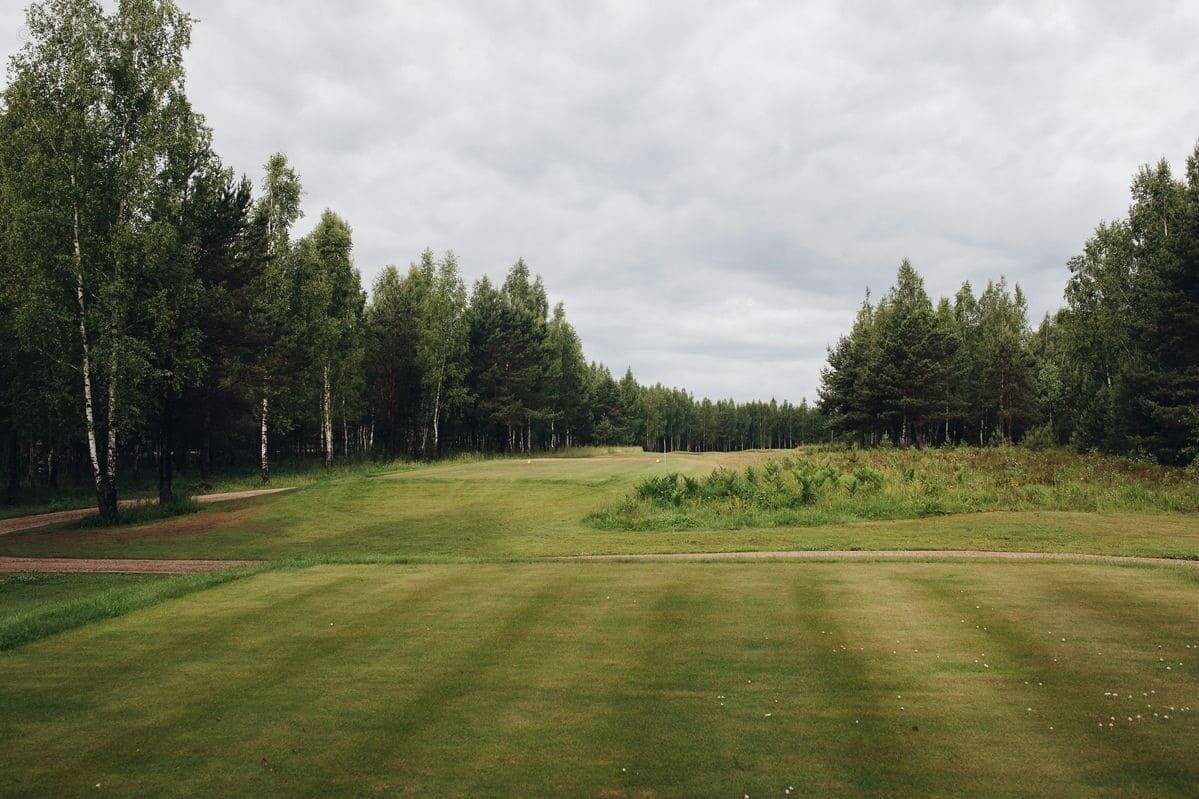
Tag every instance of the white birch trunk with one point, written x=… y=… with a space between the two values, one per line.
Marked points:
x=328 y=422
x=110 y=472
x=264 y=457
x=86 y=365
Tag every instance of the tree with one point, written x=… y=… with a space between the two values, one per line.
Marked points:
x=441 y=341
x=912 y=357
x=331 y=302
x=275 y=214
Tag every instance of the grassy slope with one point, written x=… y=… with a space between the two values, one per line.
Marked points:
x=623 y=679
x=22 y=592
x=513 y=509
x=36 y=606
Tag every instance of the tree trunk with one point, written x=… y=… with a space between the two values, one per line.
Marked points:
x=328 y=425
x=264 y=458
x=108 y=507
x=89 y=416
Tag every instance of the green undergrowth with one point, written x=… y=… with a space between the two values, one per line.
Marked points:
x=143 y=514
x=832 y=486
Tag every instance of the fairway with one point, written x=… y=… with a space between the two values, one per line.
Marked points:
x=518 y=508
x=623 y=680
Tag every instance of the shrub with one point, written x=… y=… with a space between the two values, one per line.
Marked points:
x=1039 y=438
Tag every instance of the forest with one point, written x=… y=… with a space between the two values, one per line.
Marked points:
x=1115 y=370
x=157 y=311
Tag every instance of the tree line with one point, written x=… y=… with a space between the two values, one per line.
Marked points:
x=157 y=310
x=1116 y=369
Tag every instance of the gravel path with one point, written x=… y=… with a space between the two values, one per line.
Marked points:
x=18 y=523
x=895 y=554
x=116 y=566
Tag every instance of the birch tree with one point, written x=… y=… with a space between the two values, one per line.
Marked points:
x=331 y=302
x=441 y=346
x=58 y=106
x=276 y=212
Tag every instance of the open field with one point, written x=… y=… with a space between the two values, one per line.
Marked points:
x=513 y=509
x=336 y=667
x=623 y=680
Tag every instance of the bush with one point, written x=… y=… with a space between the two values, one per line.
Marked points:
x=1039 y=438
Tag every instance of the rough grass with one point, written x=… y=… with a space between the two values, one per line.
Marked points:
x=623 y=680
x=51 y=604
x=143 y=513
x=828 y=486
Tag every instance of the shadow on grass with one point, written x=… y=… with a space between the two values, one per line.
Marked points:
x=142 y=514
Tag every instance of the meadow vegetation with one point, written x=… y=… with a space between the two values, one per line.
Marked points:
x=824 y=485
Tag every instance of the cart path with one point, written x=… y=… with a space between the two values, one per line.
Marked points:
x=18 y=523
x=894 y=554
x=155 y=566
x=117 y=566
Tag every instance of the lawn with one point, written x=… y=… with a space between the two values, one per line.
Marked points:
x=617 y=679
x=21 y=592
x=520 y=508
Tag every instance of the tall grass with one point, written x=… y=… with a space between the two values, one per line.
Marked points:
x=827 y=485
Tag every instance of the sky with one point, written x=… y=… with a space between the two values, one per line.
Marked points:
x=710 y=188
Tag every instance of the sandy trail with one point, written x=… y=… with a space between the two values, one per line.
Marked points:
x=18 y=523
x=894 y=554
x=116 y=566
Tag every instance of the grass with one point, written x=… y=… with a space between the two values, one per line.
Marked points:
x=143 y=514
x=506 y=509
x=456 y=664
x=36 y=606
x=21 y=592
x=823 y=486
x=623 y=680
x=285 y=473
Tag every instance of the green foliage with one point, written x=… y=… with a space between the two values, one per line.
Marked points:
x=823 y=485
x=909 y=373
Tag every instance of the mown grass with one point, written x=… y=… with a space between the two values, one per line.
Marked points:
x=821 y=486
x=508 y=509
x=623 y=680
x=33 y=607
x=286 y=473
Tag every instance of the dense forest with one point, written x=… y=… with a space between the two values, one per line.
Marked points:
x=1115 y=370
x=156 y=310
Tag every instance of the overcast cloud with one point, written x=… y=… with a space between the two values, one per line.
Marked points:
x=709 y=187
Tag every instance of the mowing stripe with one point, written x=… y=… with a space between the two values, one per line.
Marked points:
x=828 y=555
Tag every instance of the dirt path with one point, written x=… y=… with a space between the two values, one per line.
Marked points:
x=18 y=523
x=895 y=554
x=116 y=566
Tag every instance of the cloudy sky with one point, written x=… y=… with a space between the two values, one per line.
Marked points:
x=709 y=187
